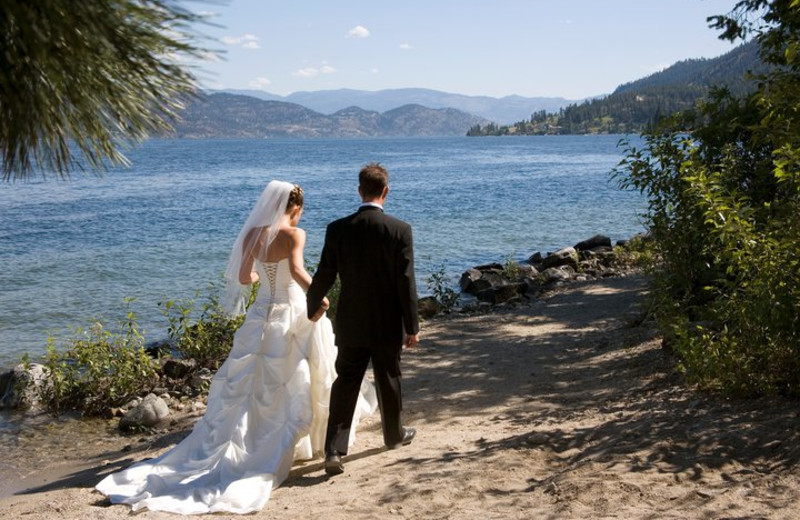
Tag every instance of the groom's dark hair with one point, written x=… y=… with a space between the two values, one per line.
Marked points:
x=372 y=179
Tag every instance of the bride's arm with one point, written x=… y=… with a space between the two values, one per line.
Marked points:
x=297 y=239
x=246 y=273
x=297 y=243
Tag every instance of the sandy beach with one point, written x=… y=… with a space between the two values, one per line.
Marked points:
x=564 y=408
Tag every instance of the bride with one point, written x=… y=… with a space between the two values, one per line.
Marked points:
x=268 y=403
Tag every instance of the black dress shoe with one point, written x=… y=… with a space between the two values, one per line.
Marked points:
x=408 y=436
x=333 y=464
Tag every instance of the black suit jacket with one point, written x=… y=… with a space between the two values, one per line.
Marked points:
x=373 y=255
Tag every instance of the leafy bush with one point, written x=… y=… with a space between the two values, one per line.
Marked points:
x=208 y=339
x=437 y=284
x=724 y=204
x=511 y=268
x=97 y=369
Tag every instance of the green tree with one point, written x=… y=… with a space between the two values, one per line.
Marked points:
x=723 y=183
x=91 y=76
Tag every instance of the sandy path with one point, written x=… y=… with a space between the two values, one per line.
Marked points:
x=560 y=409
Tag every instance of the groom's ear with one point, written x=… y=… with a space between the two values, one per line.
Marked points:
x=385 y=192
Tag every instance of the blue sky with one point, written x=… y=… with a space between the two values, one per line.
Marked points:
x=552 y=48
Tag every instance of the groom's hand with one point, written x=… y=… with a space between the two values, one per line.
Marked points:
x=411 y=340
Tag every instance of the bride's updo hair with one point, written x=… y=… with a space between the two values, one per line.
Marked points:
x=295 y=198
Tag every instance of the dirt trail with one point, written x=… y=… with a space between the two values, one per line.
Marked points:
x=559 y=409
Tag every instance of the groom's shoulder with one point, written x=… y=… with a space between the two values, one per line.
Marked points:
x=344 y=221
x=394 y=221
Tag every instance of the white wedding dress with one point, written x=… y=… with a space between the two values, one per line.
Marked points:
x=267 y=407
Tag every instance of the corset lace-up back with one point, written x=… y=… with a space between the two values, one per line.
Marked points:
x=271 y=270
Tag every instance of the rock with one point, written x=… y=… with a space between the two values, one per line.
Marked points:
x=178 y=368
x=201 y=378
x=489 y=267
x=527 y=271
x=469 y=277
x=502 y=293
x=537 y=439
x=554 y=274
x=150 y=412
x=591 y=243
x=428 y=307
x=131 y=404
x=19 y=387
x=567 y=256
x=157 y=349
x=533 y=286
x=481 y=278
x=536 y=258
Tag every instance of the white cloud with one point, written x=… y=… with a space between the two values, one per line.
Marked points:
x=246 y=41
x=310 y=72
x=358 y=32
x=406 y=46
x=260 y=83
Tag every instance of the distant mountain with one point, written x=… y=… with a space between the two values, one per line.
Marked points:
x=635 y=106
x=500 y=110
x=230 y=115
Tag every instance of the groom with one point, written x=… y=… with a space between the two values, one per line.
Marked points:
x=373 y=255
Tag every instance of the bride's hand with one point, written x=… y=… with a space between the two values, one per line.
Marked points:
x=324 y=306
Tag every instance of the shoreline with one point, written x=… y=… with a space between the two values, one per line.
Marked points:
x=566 y=408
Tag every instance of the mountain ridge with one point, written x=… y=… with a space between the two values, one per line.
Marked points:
x=238 y=116
x=504 y=109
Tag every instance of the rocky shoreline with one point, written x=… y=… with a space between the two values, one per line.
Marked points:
x=182 y=384
x=490 y=285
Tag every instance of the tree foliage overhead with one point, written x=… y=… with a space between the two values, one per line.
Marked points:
x=723 y=184
x=88 y=75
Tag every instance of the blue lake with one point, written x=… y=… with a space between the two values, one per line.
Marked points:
x=162 y=228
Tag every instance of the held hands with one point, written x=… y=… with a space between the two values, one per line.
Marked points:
x=324 y=306
x=411 y=340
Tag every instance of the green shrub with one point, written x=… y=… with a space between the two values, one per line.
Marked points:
x=511 y=268
x=437 y=284
x=724 y=212
x=205 y=335
x=97 y=369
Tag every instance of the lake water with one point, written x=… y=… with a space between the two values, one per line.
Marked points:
x=162 y=228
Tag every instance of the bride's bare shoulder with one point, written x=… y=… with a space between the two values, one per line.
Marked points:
x=293 y=233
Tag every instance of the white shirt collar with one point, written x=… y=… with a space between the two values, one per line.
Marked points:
x=373 y=204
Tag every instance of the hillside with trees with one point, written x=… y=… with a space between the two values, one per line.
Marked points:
x=227 y=115
x=637 y=106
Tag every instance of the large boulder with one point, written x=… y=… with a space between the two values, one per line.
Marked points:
x=150 y=412
x=557 y=274
x=19 y=387
x=594 y=242
x=428 y=307
x=481 y=278
x=567 y=256
x=178 y=368
x=502 y=293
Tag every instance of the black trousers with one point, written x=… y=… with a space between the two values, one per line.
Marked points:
x=351 y=365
